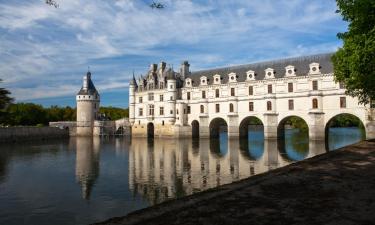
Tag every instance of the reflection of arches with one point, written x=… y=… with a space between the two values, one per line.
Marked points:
x=292 y=151
x=247 y=122
x=292 y=122
x=150 y=130
x=217 y=126
x=252 y=149
x=195 y=129
x=219 y=147
x=339 y=125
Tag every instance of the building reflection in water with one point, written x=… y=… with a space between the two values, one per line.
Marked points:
x=87 y=163
x=165 y=169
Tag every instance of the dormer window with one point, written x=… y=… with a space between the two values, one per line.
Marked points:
x=188 y=82
x=203 y=80
x=290 y=71
x=250 y=75
x=232 y=77
x=217 y=79
x=314 y=68
x=270 y=73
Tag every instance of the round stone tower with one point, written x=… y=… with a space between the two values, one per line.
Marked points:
x=88 y=100
x=172 y=95
x=132 y=88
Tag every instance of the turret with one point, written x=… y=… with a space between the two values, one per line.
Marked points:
x=88 y=100
x=132 y=88
x=172 y=95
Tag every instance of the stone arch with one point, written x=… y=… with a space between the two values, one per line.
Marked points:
x=195 y=129
x=246 y=122
x=216 y=126
x=150 y=130
x=285 y=120
x=120 y=131
x=350 y=139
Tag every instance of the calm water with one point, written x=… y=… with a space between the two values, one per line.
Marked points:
x=85 y=180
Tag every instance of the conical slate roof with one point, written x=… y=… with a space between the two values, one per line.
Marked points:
x=91 y=90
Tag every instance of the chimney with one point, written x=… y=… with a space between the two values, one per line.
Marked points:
x=184 y=71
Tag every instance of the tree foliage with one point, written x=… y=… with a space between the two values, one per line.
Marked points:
x=114 y=113
x=5 y=98
x=354 y=63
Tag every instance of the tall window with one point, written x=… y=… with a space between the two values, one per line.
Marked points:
x=270 y=89
x=342 y=102
x=217 y=107
x=217 y=93
x=269 y=106
x=140 y=111
x=251 y=90
x=161 y=111
x=232 y=92
x=140 y=99
x=315 y=85
x=161 y=85
x=290 y=87
x=231 y=108
x=151 y=96
x=291 y=104
x=188 y=109
x=202 y=109
x=161 y=98
x=151 y=110
x=315 y=103
x=342 y=85
x=251 y=106
x=203 y=94
x=188 y=95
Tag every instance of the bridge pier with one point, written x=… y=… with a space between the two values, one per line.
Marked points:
x=370 y=130
x=233 y=128
x=204 y=129
x=316 y=126
x=270 y=125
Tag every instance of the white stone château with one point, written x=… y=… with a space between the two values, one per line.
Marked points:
x=166 y=103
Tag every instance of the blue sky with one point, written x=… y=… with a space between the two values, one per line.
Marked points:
x=44 y=51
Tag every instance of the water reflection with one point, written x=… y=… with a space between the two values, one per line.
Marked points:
x=87 y=163
x=86 y=180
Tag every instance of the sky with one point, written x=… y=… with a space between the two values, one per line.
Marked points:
x=45 y=51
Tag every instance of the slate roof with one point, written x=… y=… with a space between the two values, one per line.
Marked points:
x=91 y=90
x=301 y=65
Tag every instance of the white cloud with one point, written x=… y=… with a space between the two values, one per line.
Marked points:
x=51 y=46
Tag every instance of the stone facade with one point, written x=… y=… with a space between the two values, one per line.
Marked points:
x=166 y=103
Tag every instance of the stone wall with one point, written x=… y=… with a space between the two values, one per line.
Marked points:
x=15 y=134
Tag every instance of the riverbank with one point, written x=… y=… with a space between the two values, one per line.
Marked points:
x=20 y=134
x=333 y=188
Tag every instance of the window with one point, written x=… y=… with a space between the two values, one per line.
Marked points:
x=140 y=99
x=188 y=95
x=291 y=104
x=140 y=111
x=270 y=89
x=269 y=106
x=251 y=90
x=151 y=110
x=231 y=108
x=161 y=85
x=315 y=103
x=162 y=122
x=161 y=98
x=251 y=106
x=161 y=111
x=315 y=85
x=151 y=96
x=217 y=106
x=342 y=85
x=217 y=93
x=171 y=86
x=232 y=93
x=171 y=112
x=171 y=98
x=203 y=94
x=290 y=87
x=342 y=102
x=202 y=109
x=188 y=110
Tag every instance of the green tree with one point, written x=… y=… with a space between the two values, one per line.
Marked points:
x=354 y=63
x=5 y=99
x=114 y=113
x=28 y=114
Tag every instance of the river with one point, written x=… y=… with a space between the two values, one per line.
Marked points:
x=86 y=180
